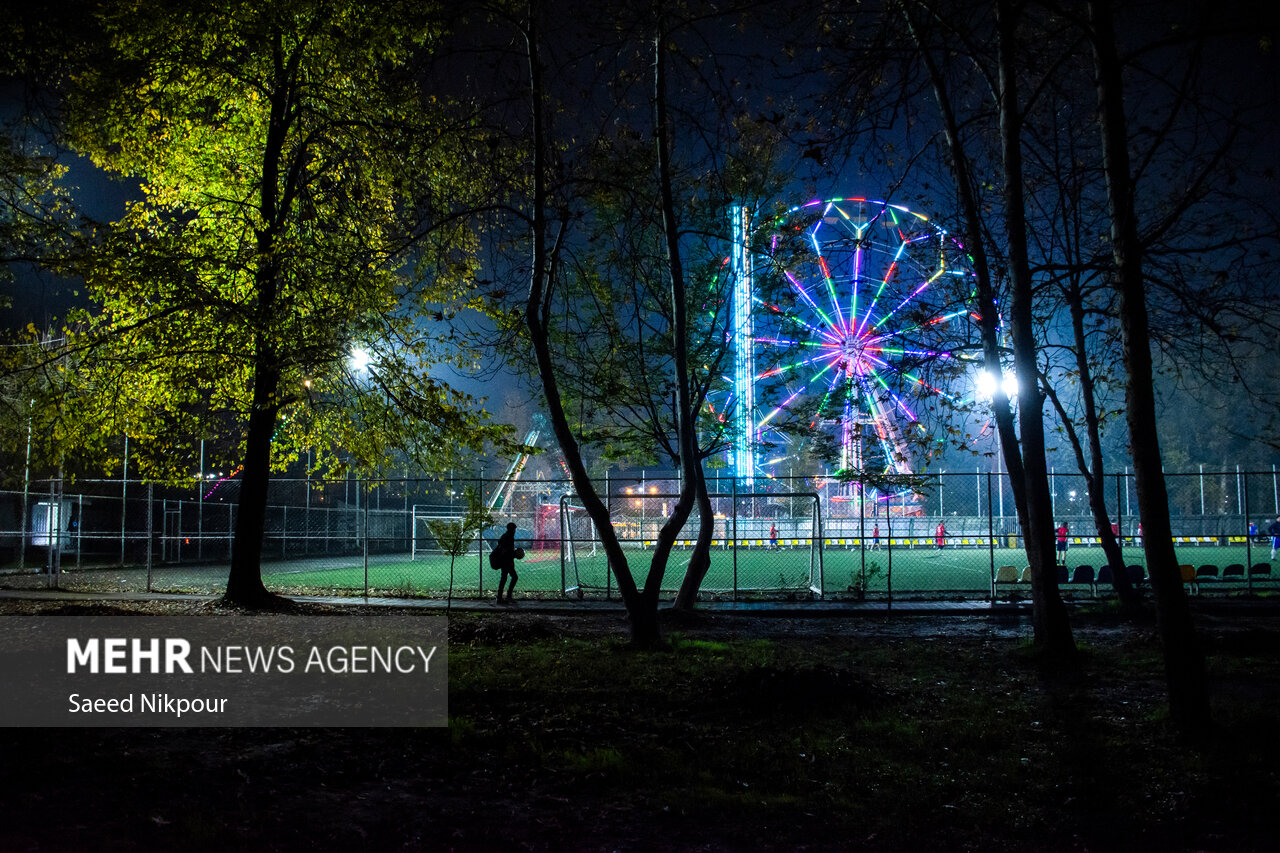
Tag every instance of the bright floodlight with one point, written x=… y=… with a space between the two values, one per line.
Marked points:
x=986 y=383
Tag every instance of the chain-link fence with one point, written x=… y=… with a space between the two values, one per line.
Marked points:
x=954 y=535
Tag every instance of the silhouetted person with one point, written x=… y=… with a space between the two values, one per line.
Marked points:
x=508 y=553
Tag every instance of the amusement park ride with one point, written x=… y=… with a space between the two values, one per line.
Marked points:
x=863 y=295
x=839 y=309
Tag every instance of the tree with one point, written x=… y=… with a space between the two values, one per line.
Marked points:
x=617 y=357
x=547 y=255
x=455 y=536
x=287 y=166
x=1184 y=660
x=978 y=102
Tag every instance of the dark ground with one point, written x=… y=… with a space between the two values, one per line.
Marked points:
x=751 y=733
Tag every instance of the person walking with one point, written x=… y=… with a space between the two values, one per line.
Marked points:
x=875 y=538
x=505 y=555
x=1062 y=544
x=940 y=535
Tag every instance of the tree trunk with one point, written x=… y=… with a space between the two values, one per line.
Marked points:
x=1095 y=470
x=641 y=608
x=691 y=474
x=988 y=309
x=1183 y=659
x=244 y=582
x=700 y=558
x=1052 y=628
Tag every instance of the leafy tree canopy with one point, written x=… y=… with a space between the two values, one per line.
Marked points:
x=296 y=192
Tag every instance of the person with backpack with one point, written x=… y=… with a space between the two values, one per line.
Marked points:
x=504 y=558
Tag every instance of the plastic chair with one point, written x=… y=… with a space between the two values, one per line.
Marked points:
x=1260 y=571
x=1084 y=575
x=1233 y=571
x=1188 y=573
x=1137 y=574
x=1026 y=575
x=1007 y=574
x=1207 y=572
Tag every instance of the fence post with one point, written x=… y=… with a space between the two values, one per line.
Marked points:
x=735 y=538
x=888 y=527
x=562 y=530
x=991 y=537
x=1248 y=540
x=364 y=538
x=55 y=530
x=124 y=501
x=79 y=527
x=862 y=534
x=151 y=528
x=200 y=509
x=26 y=487
x=817 y=524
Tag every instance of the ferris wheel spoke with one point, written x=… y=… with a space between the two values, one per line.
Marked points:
x=804 y=294
x=829 y=357
x=842 y=350
x=817 y=416
x=831 y=292
x=791 y=318
x=942 y=318
x=915 y=380
x=921 y=289
x=785 y=403
x=884 y=283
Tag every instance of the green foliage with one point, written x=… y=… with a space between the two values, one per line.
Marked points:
x=455 y=536
x=285 y=162
x=863 y=578
x=34 y=209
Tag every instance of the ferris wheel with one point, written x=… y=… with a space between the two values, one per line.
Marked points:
x=841 y=318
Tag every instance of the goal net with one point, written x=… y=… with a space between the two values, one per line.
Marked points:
x=424 y=542
x=582 y=560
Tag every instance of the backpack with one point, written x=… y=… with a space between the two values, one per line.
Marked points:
x=493 y=559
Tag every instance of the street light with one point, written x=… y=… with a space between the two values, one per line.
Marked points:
x=987 y=384
x=359 y=360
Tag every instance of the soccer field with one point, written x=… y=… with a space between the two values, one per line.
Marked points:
x=918 y=570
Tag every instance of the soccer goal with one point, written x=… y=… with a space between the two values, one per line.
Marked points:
x=772 y=542
x=424 y=542
x=582 y=562
x=762 y=543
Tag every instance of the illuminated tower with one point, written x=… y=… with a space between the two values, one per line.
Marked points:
x=744 y=465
